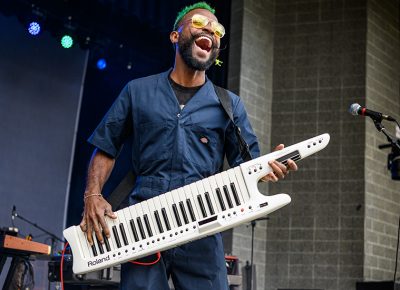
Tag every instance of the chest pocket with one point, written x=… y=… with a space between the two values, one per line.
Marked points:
x=203 y=147
x=154 y=141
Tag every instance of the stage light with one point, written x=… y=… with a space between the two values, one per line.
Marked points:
x=34 y=28
x=67 y=41
x=101 y=64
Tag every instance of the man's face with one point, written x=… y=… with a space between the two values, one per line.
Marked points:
x=198 y=47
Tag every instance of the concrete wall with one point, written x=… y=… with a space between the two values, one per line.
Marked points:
x=319 y=70
x=250 y=64
x=382 y=195
x=341 y=224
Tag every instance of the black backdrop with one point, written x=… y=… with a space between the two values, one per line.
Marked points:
x=40 y=92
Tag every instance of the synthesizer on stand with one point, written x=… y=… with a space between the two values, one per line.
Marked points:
x=15 y=247
x=200 y=209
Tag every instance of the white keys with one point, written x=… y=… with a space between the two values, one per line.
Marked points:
x=233 y=179
x=194 y=201
x=170 y=202
x=87 y=251
x=226 y=197
x=140 y=225
x=152 y=219
x=241 y=184
x=218 y=198
x=127 y=226
x=166 y=212
x=157 y=208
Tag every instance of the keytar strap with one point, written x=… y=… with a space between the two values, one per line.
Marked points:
x=226 y=103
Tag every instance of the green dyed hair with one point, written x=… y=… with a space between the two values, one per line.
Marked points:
x=187 y=9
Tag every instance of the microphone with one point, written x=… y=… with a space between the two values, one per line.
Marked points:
x=355 y=109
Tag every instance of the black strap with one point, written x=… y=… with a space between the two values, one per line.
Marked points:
x=122 y=191
x=227 y=105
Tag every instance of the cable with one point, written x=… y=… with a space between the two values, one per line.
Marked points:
x=149 y=263
x=61 y=266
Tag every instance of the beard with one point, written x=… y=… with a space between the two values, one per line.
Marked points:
x=185 y=45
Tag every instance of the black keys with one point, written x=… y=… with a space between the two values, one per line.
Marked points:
x=182 y=207
x=202 y=208
x=235 y=194
x=178 y=219
x=228 y=197
x=209 y=203
x=141 y=229
x=189 y=205
x=165 y=217
x=94 y=250
x=135 y=234
x=116 y=236
x=220 y=199
x=100 y=246
x=158 y=221
x=122 y=230
x=146 y=222
x=108 y=248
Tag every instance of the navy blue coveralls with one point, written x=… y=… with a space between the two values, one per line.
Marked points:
x=172 y=148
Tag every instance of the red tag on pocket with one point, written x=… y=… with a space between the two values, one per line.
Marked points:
x=204 y=140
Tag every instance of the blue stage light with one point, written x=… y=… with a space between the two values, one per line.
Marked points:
x=101 y=64
x=34 y=28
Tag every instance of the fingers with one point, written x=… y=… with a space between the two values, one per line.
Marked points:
x=278 y=169
x=83 y=225
x=94 y=224
x=279 y=147
x=108 y=212
x=94 y=219
x=89 y=233
x=292 y=165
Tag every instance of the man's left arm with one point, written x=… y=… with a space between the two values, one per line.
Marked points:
x=279 y=170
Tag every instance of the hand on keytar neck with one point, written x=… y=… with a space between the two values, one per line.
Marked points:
x=279 y=170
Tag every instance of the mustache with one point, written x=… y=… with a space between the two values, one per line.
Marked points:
x=213 y=44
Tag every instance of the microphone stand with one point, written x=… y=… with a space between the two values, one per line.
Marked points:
x=249 y=268
x=394 y=143
x=53 y=237
x=396 y=148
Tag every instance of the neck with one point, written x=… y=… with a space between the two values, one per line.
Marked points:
x=185 y=76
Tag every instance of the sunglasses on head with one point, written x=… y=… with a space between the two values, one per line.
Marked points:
x=200 y=21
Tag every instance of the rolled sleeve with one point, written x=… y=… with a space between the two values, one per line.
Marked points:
x=115 y=127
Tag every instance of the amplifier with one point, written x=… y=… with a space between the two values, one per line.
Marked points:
x=377 y=285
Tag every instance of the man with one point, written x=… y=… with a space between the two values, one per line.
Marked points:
x=180 y=134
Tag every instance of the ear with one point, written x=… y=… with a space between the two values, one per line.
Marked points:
x=174 y=37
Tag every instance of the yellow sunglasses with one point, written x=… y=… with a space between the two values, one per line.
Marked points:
x=200 y=21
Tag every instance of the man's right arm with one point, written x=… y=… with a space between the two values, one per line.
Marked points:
x=96 y=207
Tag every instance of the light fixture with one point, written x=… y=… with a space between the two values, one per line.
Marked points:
x=67 y=41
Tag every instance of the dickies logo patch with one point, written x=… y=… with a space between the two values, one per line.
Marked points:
x=204 y=140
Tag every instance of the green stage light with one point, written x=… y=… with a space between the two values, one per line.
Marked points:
x=67 y=41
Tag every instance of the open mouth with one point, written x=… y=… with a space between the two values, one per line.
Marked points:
x=204 y=43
